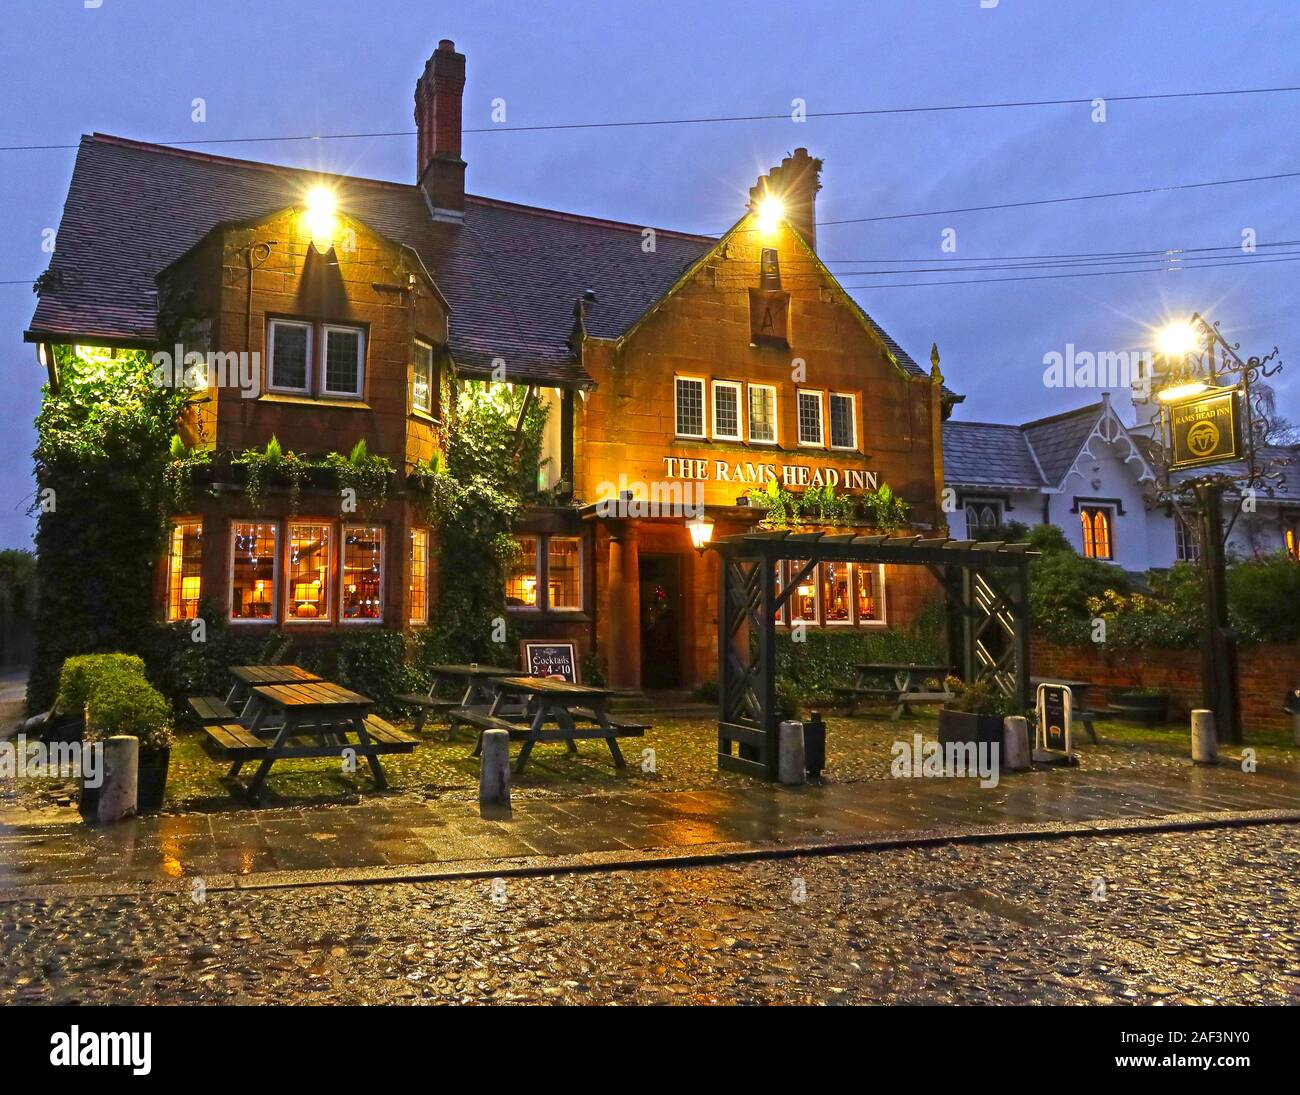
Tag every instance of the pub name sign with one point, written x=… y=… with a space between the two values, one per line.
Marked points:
x=1204 y=430
x=752 y=473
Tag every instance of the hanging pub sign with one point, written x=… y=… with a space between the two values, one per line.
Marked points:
x=1204 y=430
x=545 y=658
x=1055 y=713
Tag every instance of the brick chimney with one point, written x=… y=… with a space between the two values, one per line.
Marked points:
x=440 y=171
x=795 y=181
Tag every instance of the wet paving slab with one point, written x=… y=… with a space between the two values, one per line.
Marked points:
x=394 y=832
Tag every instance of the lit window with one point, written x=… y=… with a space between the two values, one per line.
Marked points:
x=726 y=410
x=690 y=407
x=869 y=592
x=837 y=602
x=252 y=570
x=1095 y=526
x=521 y=583
x=762 y=414
x=363 y=574
x=564 y=572
x=1186 y=547
x=1293 y=542
x=810 y=418
x=419 y=576
x=309 y=571
x=422 y=378
x=184 y=570
x=844 y=422
x=803 y=601
x=288 y=355
x=344 y=362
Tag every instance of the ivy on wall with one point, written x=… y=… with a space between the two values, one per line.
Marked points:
x=103 y=443
x=473 y=496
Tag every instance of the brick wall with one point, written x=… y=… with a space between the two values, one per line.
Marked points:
x=1267 y=671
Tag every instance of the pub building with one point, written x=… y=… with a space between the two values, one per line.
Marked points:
x=676 y=368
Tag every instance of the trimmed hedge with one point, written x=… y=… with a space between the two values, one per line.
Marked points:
x=112 y=692
x=82 y=673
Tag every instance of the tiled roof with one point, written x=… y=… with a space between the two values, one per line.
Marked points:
x=511 y=273
x=1283 y=459
x=1056 y=441
x=986 y=454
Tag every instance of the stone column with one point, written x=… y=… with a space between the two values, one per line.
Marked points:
x=623 y=633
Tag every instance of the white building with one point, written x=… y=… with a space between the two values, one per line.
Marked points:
x=1086 y=472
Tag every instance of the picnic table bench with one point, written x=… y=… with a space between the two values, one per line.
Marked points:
x=907 y=688
x=323 y=712
x=544 y=701
x=214 y=711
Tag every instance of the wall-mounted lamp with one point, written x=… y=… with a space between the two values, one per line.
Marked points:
x=701 y=530
x=319 y=219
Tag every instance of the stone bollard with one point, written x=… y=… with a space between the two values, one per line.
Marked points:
x=1015 y=744
x=1205 y=743
x=790 y=757
x=117 y=796
x=494 y=775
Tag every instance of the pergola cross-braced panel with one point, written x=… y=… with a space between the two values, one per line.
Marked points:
x=987 y=588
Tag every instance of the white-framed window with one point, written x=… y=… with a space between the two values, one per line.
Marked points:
x=809 y=404
x=837 y=593
x=689 y=406
x=762 y=414
x=361 y=575
x=726 y=410
x=983 y=517
x=308 y=572
x=253 y=554
x=844 y=420
x=422 y=378
x=803 y=598
x=288 y=355
x=343 y=361
x=184 y=568
x=1187 y=548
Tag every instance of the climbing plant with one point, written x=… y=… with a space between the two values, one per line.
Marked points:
x=473 y=496
x=103 y=444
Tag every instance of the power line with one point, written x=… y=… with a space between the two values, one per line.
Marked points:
x=1172 y=251
x=1053 y=277
x=715 y=119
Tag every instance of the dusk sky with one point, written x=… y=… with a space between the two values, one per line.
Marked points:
x=134 y=67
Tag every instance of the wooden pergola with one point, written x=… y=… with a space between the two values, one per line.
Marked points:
x=987 y=586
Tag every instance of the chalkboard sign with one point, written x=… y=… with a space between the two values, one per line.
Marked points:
x=547 y=658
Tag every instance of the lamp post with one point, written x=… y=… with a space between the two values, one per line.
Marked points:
x=1200 y=366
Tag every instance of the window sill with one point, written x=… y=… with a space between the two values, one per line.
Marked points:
x=425 y=416
x=302 y=400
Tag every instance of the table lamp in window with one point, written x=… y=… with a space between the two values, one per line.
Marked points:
x=190 y=595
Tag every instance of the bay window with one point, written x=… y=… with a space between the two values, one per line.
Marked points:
x=184 y=569
x=546 y=574
x=307 y=577
x=419 y=577
x=252 y=570
x=362 y=574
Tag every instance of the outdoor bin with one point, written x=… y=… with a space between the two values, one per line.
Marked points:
x=814 y=745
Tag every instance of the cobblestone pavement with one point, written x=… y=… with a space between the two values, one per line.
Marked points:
x=1193 y=917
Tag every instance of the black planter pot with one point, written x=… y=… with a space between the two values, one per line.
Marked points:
x=151 y=782
x=1140 y=707
x=88 y=801
x=961 y=727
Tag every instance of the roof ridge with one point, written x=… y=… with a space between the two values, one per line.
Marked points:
x=999 y=425
x=1062 y=415
x=482 y=199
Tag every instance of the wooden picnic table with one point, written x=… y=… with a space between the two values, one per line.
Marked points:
x=909 y=680
x=545 y=701
x=247 y=676
x=320 y=710
x=473 y=681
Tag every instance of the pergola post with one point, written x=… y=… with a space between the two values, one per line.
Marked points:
x=767 y=663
